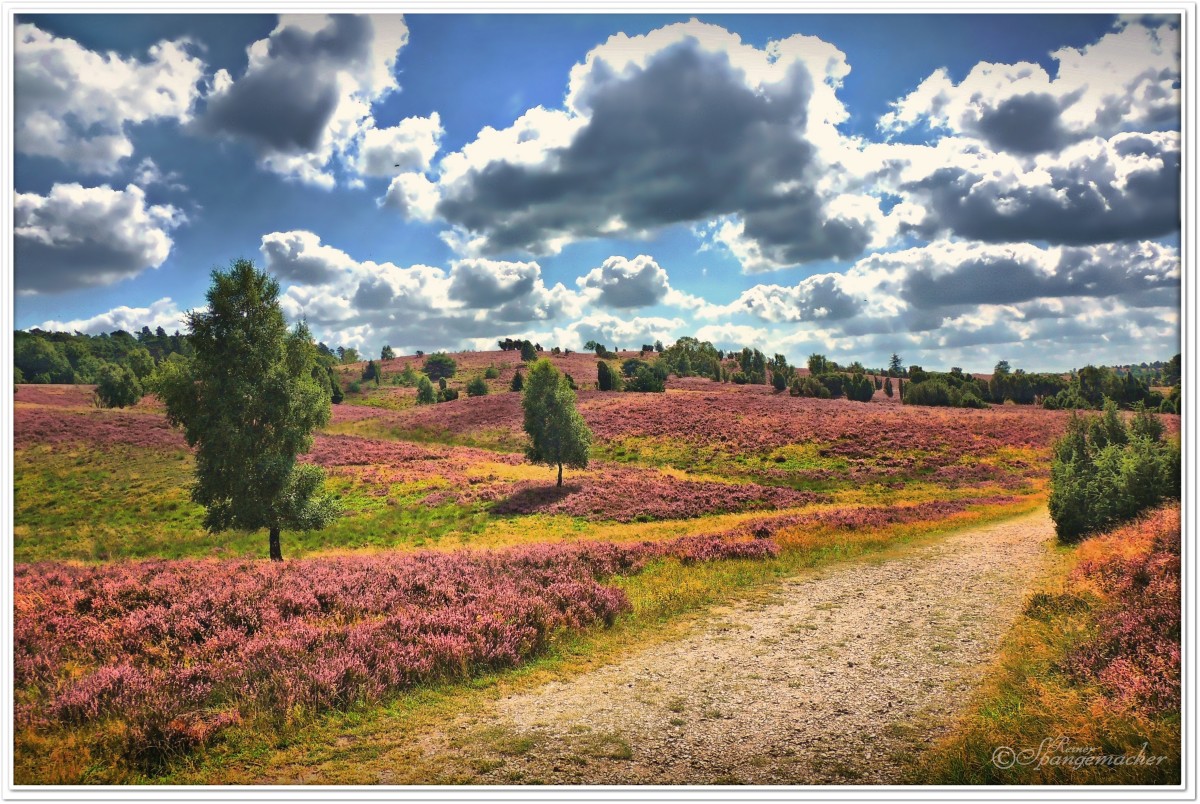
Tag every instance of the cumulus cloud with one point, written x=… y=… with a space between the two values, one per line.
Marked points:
x=77 y=105
x=1126 y=81
x=78 y=237
x=621 y=283
x=418 y=306
x=408 y=146
x=816 y=298
x=162 y=313
x=722 y=128
x=413 y=195
x=614 y=331
x=305 y=98
x=1095 y=191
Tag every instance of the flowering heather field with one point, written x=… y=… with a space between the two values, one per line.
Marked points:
x=1135 y=652
x=177 y=651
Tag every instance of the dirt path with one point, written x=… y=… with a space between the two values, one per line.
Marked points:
x=841 y=677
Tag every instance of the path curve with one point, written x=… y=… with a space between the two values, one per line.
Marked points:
x=841 y=677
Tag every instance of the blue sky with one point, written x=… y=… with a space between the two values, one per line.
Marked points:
x=959 y=188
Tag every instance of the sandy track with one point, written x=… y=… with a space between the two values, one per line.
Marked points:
x=841 y=677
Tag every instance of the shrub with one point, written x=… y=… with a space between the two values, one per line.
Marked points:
x=447 y=394
x=887 y=387
x=859 y=388
x=518 y=382
x=118 y=387
x=440 y=366
x=1105 y=472
x=355 y=387
x=491 y=373
x=425 y=394
x=834 y=382
x=528 y=352
x=778 y=381
x=477 y=387
x=646 y=380
x=809 y=386
x=606 y=378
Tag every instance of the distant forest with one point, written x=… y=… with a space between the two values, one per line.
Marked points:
x=75 y=358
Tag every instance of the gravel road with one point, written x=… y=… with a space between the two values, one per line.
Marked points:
x=842 y=676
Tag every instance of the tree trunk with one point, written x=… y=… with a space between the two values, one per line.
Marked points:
x=560 y=474
x=276 y=552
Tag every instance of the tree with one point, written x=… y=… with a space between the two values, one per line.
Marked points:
x=371 y=372
x=606 y=378
x=518 y=382
x=887 y=387
x=335 y=386
x=387 y=353
x=141 y=363
x=528 y=352
x=248 y=401
x=118 y=387
x=425 y=393
x=477 y=387
x=349 y=355
x=440 y=366
x=817 y=364
x=558 y=435
x=895 y=366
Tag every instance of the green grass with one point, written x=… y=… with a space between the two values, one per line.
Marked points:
x=91 y=504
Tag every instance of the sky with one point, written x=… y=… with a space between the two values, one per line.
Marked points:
x=957 y=189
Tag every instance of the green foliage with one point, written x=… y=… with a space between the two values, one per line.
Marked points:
x=248 y=402
x=335 y=386
x=778 y=381
x=528 y=352
x=809 y=386
x=42 y=361
x=387 y=353
x=818 y=365
x=1171 y=371
x=834 y=382
x=895 y=367
x=118 y=387
x=606 y=378
x=646 y=380
x=938 y=390
x=408 y=377
x=450 y=394
x=440 y=366
x=371 y=372
x=141 y=363
x=887 y=387
x=491 y=373
x=558 y=435
x=687 y=357
x=518 y=382
x=425 y=393
x=347 y=356
x=859 y=388
x=355 y=387
x=1105 y=471
x=477 y=387
x=18 y=376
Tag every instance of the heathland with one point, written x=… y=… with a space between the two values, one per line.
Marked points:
x=461 y=577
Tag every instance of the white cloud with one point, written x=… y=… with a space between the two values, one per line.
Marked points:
x=162 y=313
x=77 y=105
x=408 y=146
x=1126 y=81
x=79 y=236
x=305 y=98
x=414 y=195
x=620 y=284
x=724 y=129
